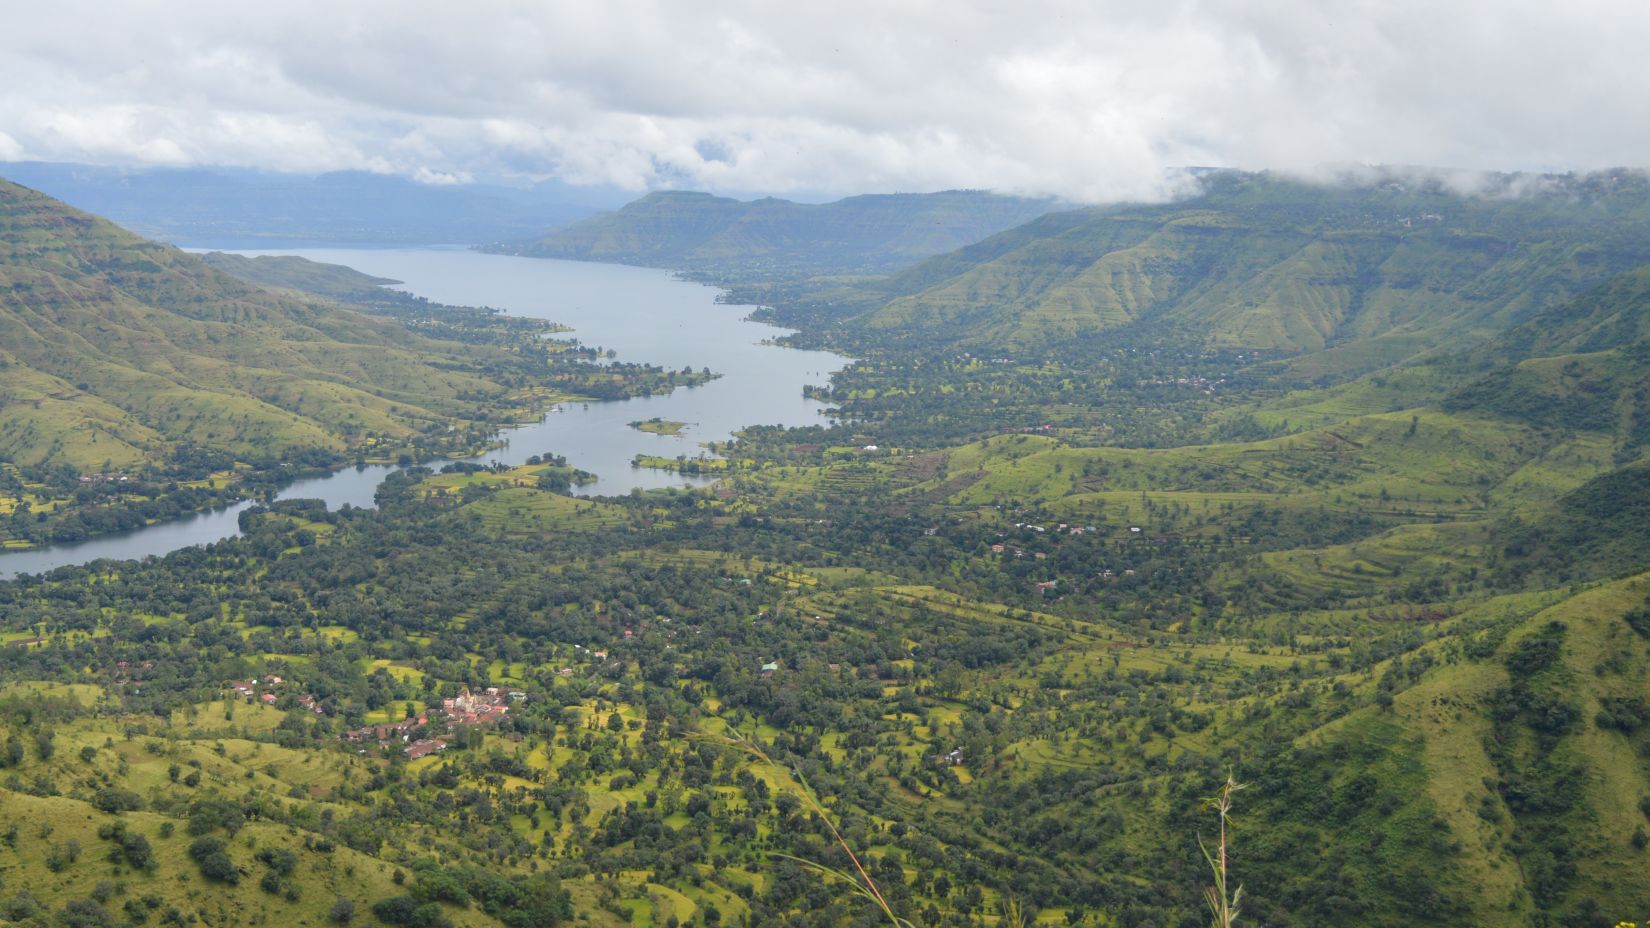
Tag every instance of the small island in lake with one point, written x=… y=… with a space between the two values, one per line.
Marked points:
x=658 y=426
x=682 y=464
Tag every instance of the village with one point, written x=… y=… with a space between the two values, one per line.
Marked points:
x=417 y=736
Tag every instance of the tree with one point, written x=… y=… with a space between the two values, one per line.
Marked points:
x=210 y=855
x=137 y=852
x=113 y=800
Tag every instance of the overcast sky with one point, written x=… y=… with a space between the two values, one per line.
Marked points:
x=1091 y=100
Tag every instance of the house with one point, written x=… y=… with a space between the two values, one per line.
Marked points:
x=770 y=668
x=387 y=733
x=268 y=699
x=425 y=748
x=464 y=702
x=486 y=709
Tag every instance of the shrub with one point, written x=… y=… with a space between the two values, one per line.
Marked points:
x=342 y=911
x=396 y=910
x=137 y=851
x=1536 y=653
x=62 y=855
x=279 y=859
x=22 y=907
x=114 y=800
x=210 y=855
x=84 y=913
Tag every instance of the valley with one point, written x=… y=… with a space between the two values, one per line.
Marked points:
x=1107 y=507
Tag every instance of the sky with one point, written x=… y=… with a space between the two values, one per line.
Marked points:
x=1092 y=101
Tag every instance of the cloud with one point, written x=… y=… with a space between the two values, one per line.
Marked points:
x=441 y=178
x=1092 y=100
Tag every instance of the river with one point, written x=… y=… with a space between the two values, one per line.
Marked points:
x=643 y=314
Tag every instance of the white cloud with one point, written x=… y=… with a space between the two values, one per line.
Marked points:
x=441 y=178
x=1092 y=100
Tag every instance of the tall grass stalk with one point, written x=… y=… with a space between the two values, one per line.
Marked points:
x=860 y=879
x=1223 y=903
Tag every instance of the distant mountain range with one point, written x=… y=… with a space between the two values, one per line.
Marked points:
x=236 y=208
x=724 y=238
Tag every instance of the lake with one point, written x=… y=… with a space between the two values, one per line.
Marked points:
x=642 y=314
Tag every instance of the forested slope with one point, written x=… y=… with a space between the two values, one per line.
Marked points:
x=1377 y=271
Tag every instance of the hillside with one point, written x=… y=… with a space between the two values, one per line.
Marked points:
x=334 y=281
x=1585 y=364
x=1010 y=669
x=189 y=816
x=761 y=239
x=1363 y=275
x=137 y=382
x=118 y=350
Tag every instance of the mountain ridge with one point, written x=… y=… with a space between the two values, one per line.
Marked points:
x=719 y=236
x=236 y=207
x=1263 y=262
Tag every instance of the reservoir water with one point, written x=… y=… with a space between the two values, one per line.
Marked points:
x=642 y=314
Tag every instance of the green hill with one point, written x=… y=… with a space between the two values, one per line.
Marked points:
x=1582 y=365
x=1614 y=315
x=759 y=239
x=137 y=382
x=1372 y=273
x=117 y=351
x=131 y=803
x=334 y=281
